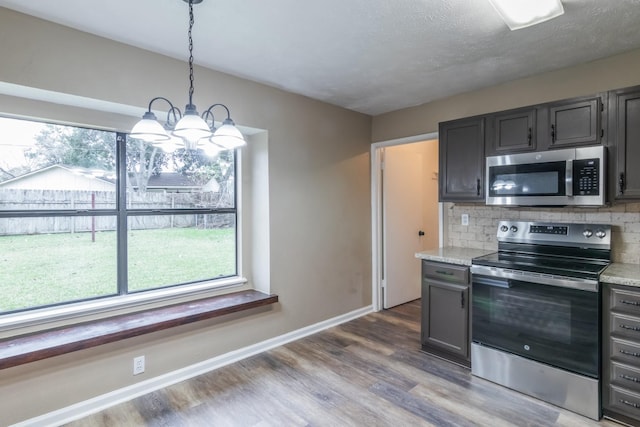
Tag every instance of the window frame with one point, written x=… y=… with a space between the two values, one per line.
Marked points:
x=124 y=302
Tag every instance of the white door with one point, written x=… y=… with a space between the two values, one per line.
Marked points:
x=403 y=183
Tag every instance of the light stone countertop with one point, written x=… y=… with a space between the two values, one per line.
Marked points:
x=621 y=274
x=453 y=255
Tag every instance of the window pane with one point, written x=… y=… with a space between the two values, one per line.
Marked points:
x=65 y=263
x=157 y=179
x=46 y=166
x=165 y=250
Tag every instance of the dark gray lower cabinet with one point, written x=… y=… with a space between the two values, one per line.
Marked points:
x=445 y=311
x=621 y=353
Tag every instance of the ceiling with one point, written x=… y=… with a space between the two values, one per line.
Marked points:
x=371 y=56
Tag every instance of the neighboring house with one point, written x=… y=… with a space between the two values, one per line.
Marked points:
x=173 y=182
x=61 y=177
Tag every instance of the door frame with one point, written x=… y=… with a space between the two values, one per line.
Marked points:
x=376 y=210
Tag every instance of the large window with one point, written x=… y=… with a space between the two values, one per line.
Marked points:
x=88 y=214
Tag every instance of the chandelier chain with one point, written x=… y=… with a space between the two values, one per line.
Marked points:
x=191 y=20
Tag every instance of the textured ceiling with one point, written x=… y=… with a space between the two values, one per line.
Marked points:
x=371 y=56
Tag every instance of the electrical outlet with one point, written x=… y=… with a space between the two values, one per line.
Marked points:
x=138 y=365
x=465 y=219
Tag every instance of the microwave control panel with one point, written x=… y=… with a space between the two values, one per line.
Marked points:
x=586 y=177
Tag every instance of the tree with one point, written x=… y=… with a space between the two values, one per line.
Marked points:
x=74 y=146
x=201 y=168
x=95 y=149
x=143 y=161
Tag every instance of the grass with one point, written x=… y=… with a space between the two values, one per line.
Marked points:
x=38 y=270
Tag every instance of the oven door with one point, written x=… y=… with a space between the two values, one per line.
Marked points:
x=554 y=325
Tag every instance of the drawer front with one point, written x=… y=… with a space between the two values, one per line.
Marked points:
x=626 y=301
x=625 y=376
x=625 y=352
x=624 y=401
x=625 y=326
x=445 y=272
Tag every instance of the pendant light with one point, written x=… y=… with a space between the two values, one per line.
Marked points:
x=188 y=130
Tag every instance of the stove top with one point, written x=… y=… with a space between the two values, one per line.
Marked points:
x=555 y=265
x=557 y=249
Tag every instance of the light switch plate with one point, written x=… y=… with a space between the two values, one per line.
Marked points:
x=465 y=219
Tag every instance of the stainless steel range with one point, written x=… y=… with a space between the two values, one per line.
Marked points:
x=536 y=312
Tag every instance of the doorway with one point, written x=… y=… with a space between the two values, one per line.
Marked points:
x=406 y=215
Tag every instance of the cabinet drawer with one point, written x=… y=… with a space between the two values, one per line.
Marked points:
x=624 y=401
x=625 y=326
x=445 y=272
x=625 y=301
x=625 y=351
x=625 y=376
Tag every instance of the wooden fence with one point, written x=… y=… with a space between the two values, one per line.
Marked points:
x=29 y=200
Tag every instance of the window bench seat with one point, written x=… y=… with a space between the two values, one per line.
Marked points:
x=41 y=345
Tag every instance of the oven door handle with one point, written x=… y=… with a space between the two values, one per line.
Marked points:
x=498 y=283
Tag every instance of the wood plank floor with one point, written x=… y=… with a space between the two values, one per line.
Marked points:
x=367 y=372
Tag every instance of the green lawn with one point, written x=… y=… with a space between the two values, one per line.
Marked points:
x=38 y=270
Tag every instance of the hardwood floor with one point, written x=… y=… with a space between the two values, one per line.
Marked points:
x=367 y=372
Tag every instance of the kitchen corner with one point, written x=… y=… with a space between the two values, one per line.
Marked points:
x=447 y=323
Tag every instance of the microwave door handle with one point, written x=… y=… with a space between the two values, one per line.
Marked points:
x=568 y=178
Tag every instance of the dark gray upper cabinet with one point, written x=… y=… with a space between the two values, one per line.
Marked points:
x=512 y=131
x=461 y=152
x=575 y=122
x=624 y=125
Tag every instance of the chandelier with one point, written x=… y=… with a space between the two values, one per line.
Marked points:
x=188 y=130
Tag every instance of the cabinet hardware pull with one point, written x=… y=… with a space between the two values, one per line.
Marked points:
x=621 y=183
x=461 y=299
x=629 y=353
x=630 y=328
x=553 y=133
x=446 y=273
x=626 y=402
x=634 y=303
x=529 y=136
x=629 y=378
x=478 y=186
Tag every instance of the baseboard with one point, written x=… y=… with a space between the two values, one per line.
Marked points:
x=99 y=403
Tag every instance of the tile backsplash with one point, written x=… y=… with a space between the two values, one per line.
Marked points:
x=483 y=222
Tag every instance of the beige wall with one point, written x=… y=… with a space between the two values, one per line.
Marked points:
x=598 y=76
x=595 y=77
x=316 y=158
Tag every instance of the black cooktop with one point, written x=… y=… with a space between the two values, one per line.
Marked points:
x=544 y=264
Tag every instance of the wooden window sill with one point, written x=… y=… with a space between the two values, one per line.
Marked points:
x=42 y=345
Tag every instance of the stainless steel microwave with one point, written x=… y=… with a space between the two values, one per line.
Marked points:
x=574 y=176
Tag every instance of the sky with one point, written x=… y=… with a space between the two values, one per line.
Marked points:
x=15 y=137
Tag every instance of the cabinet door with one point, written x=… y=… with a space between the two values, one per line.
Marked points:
x=574 y=123
x=625 y=106
x=513 y=132
x=445 y=317
x=461 y=151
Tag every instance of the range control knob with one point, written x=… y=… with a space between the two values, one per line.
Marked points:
x=514 y=229
x=587 y=233
x=601 y=234
x=504 y=228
